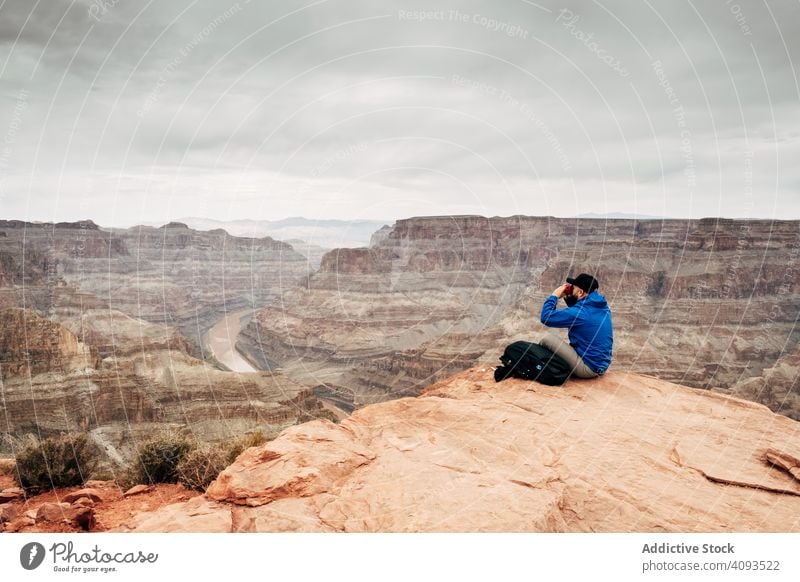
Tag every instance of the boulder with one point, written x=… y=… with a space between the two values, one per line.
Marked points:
x=51 y=512
x=74 y=515
x=9 y=513
x=93 y=494
x=11 y=494
x=82 y=517
x=138 y=489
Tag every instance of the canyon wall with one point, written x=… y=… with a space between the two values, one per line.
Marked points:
x=172 y=275
x=100 y=330
x=121 y=379
x=707 y=303
x=31 y=345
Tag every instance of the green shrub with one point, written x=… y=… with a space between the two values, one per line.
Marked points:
x=156 y=459
x=62 y=461
x=201 y=466
x=171 y=457
x=236 y=447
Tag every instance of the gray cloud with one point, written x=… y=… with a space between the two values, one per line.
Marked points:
x=382 y=110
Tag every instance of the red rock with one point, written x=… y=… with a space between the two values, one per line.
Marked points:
x=18 y=524
x=9 y=513
x=77 y=516
x=288 y=467
x=92 y=494
x=137 y=489
x=786 y=462
x=51 y=512
x=196 y=515
x=11 y=494
x=82 y=517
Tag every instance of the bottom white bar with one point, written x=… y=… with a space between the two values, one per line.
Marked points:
x=356 y=557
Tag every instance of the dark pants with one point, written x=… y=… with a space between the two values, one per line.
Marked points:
x=554 y=343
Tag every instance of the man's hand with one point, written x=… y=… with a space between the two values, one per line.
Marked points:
x=559 y=292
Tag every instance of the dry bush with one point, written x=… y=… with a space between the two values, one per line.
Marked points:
x=201 y=466
x=236 y=447
x=156 y=459
x=7 y=467
x=171 y=457
x=62 y=461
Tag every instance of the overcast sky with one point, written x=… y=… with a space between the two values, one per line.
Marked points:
x=127 y=111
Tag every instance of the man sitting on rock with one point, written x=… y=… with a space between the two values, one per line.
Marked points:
x=588 y=318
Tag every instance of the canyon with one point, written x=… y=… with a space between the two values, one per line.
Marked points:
x=121 y=380
x=221 y=341
x=709 y=303
x=123 y=332
x=106 y=332
x=171 y=275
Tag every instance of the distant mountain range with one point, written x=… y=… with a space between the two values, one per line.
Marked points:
x=330 y=234
x=324 y=233
x=626 y=215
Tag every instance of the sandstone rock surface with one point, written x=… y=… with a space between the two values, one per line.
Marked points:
x=623 y=453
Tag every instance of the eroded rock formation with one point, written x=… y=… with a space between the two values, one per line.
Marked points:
x=707 y=303
x=171 y=275
x=31 y=345
x=99 y=346
x=125 y=379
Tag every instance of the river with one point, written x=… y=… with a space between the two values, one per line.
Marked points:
x=222 y=342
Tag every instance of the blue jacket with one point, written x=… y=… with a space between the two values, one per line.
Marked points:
x=589 y=323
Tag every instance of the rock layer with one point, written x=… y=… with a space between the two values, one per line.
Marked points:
x=623 y=453
x=99 y=346
x=30 y=345
x=121 y=379
x=171 y=275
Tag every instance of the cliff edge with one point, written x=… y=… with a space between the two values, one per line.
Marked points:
x=623 y=453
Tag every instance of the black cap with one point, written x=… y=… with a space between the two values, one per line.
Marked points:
x=585 y=282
